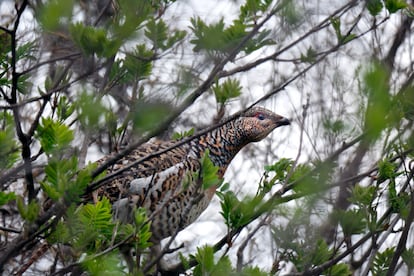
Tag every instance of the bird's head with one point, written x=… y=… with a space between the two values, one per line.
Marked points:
x=258 y=122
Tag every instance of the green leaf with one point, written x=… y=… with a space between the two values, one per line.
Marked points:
x=54 y=136
x=9 y=149
x=94 y=40
x=184 y=261
x=147 y=116
x=382 y=261
x=143 y=228
x=98 y=216
x=334 y=126
x=237 y=212
x=131 y=15
x=5 y=48
x=310 y=56
x=234 y=34
x=374 y=6
x=54 y=12
x=138 y=65
x=379 y=101
x=23 y=84
x=83 y=179
x=281 y=167
x=6 y=197
x=252 y=9
x=395 y=5
x=321 y=254
x=260 y=40
x=181 y=135
x=95 y=226
x=205 y=259
x=26 y=50
x=348 y=38
x=386 y=171
x=91 y=111
x=405 y=100
x=308 y=183
x=363 y=196
x=208 y=37
x=209 y=172
x=290 y=13
x=219 y=41
x=408 y=258
x=223 y=266
x=339 y=270
x=59 y=177
x=61 y=233
x=399 y=202
x=252 y=271
x=64 y=179
x=207 y=266
x=105 y=265
x=64 y=109
x=229 y=89
x=352 y=221
x=229 y=211
x=5 y=82
x=336 y=24
x=29 y=211
x=157 y=33
x=224 y=187
x=177 y=36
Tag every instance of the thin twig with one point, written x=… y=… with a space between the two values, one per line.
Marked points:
x=245 y=242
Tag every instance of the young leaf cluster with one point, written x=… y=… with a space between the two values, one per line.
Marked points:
x=91 y=229
x=209 y=172
x=238 y=213
x=219 y=41
x=229 y=89
x=9 y=150
x=54 y=136
x=207 y=265
x=157 y=33
x=65 y=180
x=382 y=261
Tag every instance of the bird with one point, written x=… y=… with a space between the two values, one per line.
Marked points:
x=167 y=184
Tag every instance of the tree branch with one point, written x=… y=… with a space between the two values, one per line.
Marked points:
x=404 y=235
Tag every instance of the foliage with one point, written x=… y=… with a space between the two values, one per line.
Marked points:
x=229 y=89
x=6 y=197
x=382 y=262
x=53 y=136
x=9 y=153
x=104 y=265
x=80 y=79
x=209 y=172
x=218 y=40
x=336 y=24
x=181 y=135
x=208 y=266
x=64 y=180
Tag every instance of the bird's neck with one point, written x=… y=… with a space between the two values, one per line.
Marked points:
x=223 y=144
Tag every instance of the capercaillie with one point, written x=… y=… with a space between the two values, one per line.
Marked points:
x=168 y=185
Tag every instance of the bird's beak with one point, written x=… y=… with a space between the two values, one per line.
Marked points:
x=282 y=122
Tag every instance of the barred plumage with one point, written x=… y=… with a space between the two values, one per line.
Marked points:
x=157 y=183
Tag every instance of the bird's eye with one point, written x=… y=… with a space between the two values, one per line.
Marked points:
x=260 y=116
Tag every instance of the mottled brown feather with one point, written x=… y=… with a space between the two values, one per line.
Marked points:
x=158 y=182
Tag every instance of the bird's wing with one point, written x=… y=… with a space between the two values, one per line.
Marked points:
x=159 y=169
